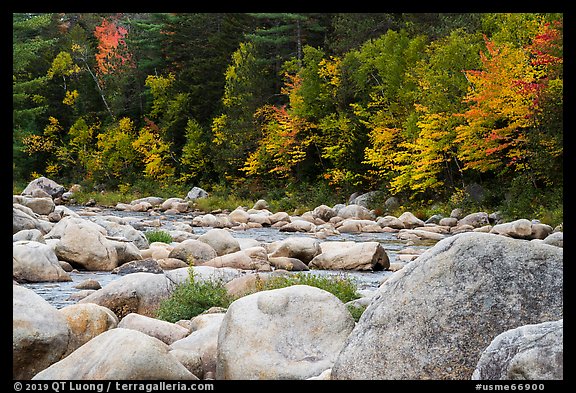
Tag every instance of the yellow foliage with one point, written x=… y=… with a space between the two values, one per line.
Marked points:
x=70 y=98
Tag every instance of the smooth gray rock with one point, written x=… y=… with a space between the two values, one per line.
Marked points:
x=433 y=318
x=530 y=352
x=288 y=333
x=118 y=354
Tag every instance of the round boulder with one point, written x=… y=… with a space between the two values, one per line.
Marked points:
x=288 y=333
x=433 y=318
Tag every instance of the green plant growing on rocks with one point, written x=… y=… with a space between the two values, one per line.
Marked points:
x=158 y=236
x=196 y=296
x=192 y=298
x=340 y=286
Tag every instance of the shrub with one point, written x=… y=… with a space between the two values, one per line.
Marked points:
x=340 y=286
x=192 y=298
x=158 y=236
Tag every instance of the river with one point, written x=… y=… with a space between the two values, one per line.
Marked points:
x=59 y=294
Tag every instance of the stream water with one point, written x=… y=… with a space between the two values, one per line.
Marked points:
x=59 y=294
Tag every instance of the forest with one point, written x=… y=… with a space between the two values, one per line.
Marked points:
x=296 y=108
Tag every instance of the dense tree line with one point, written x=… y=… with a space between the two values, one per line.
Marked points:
x=416 y=104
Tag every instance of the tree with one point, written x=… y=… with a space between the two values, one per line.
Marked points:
x=389 y=113
x=429 y=162
x=234 y=131
x=195 y=161
x=493 y=138
x=503 y=132
x=32 y=44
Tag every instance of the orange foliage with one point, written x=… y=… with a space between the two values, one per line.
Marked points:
x=112 y=49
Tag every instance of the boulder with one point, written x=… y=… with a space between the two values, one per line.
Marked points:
x=522 y=229
x=210 y=220
x=141 y=293
x=555 y=239
x=40 y=333
x=261 y=204
x=36 y=262
x=61 y=227
x=433 y=318
x=221 y=241
x=29 y=234
x=300 y=247
x=391 y=222
x=448 y=222
x=351 y=225
x=143 y=265
x=196 y=193
x=203 y=341
x=391 y=204
x=193 y=251
x=152 y=200
x=323 y=212
x=477 y=220
x=419 y=234
x=540 y=231
x=261 y=218
x=287 y=263
x=254 y=258
x=178 y=204
x=203 y=273
x=22 y=220
x=166 y=332
x=86 y=246
x=125 y=250
x=157 y=250
x=410 y=220
x=170 y=263
x=124 y=231
x=119 y=354
x=279 y=217
x=42 y=206
x=239 y=215
x=85 y=322
x=368 y=199
x=355 y=211
x=529 y=352
x=288 y=333
x=349 y=255
x=52 y=188
x=298 y=225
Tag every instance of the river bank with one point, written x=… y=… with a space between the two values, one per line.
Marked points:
x=454 y=283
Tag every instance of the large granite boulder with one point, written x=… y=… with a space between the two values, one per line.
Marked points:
x=434 y=318
x=288 y=333
x=530 y=352
x=40 y=334
x=119 y=354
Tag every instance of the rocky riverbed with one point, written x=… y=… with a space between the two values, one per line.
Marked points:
x=87 y=282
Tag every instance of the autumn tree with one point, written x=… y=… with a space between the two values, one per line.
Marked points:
x=430 y=161
x=502 y=99
x=389 y=113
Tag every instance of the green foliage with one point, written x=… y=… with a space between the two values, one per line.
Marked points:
x=297 y=108
x=192 y=298
x=341 y=286
x=194 y=159
x=158 y=236
x=196 y=296
x=524 y=200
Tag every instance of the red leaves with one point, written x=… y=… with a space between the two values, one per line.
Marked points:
x=112 y=49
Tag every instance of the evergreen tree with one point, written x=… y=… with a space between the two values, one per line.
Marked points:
x=32 y=45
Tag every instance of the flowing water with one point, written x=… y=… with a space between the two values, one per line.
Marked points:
x=59 y=294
